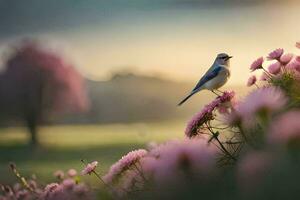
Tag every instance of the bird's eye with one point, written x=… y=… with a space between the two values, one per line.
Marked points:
x=223 y=57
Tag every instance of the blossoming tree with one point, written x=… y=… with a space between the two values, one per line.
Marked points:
x=38 y=84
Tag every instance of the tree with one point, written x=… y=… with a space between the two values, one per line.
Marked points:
x=37 y=85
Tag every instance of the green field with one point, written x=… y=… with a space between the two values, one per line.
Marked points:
x=64 y=146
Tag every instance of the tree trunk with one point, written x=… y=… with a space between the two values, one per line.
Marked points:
x=32 y=127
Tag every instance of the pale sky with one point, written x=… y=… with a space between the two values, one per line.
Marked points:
x=178 y=41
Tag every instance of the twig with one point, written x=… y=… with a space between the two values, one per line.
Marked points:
x=219 y=142
x=21 y=178
x=98 y=176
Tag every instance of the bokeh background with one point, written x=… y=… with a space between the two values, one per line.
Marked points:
x=138 y=58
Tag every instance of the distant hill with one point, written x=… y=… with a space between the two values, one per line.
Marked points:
x=131 y=98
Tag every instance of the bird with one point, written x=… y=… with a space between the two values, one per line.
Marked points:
x=215 y=77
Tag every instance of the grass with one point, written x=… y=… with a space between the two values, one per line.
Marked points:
x=64 y=146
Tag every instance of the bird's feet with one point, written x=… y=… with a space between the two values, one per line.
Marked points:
x=220 y=91
x=218 y=95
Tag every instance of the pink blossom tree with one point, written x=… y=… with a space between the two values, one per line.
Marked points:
x=38 y=84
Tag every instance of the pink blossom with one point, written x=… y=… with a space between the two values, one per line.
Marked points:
x=285 y=129
x=276 y=54
x=124 y=164
x=132 y=181
x=252 y=169
x=269 y=99
x=59 y=174
x=90 y=167
x=67 y=190
x=22 y=194
x=192 y=155
x=72 y=172
x=81 y=190
x=257 y=64
x=298 y=45
x=64 y=88
x=286 y=58
x=293 y=65
x=274 y=68
x=297 y=59
x=148 y=163
x=68 y=183
x=51 y=187
x=192 y=128
x=251 y=80
x=206 y=114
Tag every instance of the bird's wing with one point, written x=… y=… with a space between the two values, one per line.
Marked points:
x=208 y=76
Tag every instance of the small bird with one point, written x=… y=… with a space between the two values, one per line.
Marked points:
x=217 y=75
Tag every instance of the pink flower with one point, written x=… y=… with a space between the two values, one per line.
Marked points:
x=293 y=65
x=268 y=99
x=257 y=64
x=298 y=45
x=192 y=156
x=206 y=114
x=132 y=181
x=275 y=55
x=89 y=168
x=81 y=190
x=252 y=169
x=66 y=190
x=285 y=129
x=72 y=172
x=286 y=58
x=51 y=187
x=59 y=174
x=22 y=194
x=192 y=128
x=251 y=80
x=297 y=59
x=274 y=68
x=148 y=163
x=68 y=183
x=124 y=164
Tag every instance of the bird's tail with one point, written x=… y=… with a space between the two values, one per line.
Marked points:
x=186 y=98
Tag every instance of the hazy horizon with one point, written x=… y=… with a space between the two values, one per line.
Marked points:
x=174 y=39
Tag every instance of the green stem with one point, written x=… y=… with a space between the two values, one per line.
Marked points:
x=215 y=136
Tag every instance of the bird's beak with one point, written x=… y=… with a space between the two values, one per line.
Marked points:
x=229 y=57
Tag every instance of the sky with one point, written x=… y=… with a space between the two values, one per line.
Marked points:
x=177 y=39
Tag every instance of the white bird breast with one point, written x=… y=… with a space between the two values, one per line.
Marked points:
x=219 y=80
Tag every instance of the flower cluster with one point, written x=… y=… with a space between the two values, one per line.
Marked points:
x=265 y=100
x=89 y=168
x=162 y=166
x=67 y=187
x=282 y=65
x=195 y=125
x=125 y=163
x=253 y=153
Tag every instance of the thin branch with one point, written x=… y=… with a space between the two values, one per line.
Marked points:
x=219 y=142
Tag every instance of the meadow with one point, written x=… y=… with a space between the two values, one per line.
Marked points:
x=63 y=146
